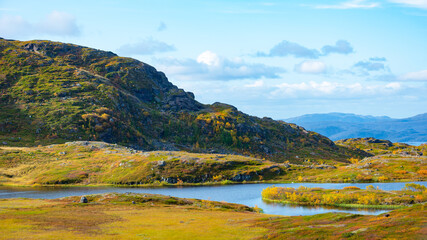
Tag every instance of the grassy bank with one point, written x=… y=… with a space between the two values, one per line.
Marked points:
x=126 y=216
x=98 y=163
x=102 y=164
x=362 y=206
x=146 y=216
x=351 y=197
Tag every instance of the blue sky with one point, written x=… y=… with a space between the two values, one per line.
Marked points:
x=268 y=58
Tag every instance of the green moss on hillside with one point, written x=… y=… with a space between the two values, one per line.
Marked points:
x=54 y=92
x=384 y=147
x=102 y=163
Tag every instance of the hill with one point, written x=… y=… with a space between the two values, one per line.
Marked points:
x=98 y=163
x=53 y=92
x=343 y=125
x=384 y=147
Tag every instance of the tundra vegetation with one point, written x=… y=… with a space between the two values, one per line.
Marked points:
x=146 y=216
x=53 y=92
x=97 y=163
x=348 y=196
x=52 y=95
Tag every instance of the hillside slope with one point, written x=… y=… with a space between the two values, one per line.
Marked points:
x=84 y=162
x=343 y=125
x=54 y=92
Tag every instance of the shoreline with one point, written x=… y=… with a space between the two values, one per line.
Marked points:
x=166 y=185
x=358 y=206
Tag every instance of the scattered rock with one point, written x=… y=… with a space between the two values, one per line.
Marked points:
x=359 y=230
x=171 y=180
x=161 y=163
x=285 y=165
x=241 y=178
x=322 y=166
x=83 y=199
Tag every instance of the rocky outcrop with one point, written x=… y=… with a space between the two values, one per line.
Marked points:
x=177 y=100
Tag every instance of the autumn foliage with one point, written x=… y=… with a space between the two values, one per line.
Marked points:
x=412 y=193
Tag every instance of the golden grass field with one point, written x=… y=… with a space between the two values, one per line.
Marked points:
x=114 y=216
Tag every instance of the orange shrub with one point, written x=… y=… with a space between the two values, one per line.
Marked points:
x=422 y=172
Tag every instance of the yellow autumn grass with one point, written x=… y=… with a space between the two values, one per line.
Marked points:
x=56 y=219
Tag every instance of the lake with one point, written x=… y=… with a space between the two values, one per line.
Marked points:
x=247 y=194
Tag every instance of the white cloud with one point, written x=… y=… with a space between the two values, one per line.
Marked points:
x=412 y=3
x=145 y=47
x=350 y=5
x=367 y=4
x=393 y=86
x=327 y=89
x=375 y=68
x=415 y=76
x=370 y=65
x=256 y=84
x=11 y=26
x=378 y=59
x=420 y=76
x=314 y=67
x=287 y=48
x=210 y=66
x=340 y=47
x=56 y=23
x=59 y=23
x=209 y=58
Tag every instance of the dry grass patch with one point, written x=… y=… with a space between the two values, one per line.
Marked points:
x=114 y=216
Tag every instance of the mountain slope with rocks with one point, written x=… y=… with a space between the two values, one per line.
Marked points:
x=53 y=92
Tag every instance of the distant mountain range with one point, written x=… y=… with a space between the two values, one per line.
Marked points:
x=346 y=125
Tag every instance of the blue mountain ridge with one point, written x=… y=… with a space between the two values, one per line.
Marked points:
x=347 y=125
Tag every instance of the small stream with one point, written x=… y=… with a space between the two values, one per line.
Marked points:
x=247 y=194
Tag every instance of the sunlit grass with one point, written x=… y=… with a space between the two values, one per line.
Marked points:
x=114 y=216
x=351 y=197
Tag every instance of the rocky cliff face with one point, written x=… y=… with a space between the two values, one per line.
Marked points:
x=55 y=92
x=139 y=79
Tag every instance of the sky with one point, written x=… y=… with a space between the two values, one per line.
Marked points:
x=278 y=59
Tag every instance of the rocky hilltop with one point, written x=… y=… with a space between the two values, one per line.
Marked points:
x=53 y=92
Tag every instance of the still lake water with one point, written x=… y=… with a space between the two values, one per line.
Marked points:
x=247 y=194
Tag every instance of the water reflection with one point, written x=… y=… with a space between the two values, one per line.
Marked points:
x=326 y=207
